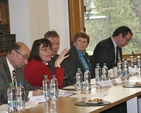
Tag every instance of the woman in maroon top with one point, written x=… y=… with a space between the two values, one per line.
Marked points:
x=37 y=66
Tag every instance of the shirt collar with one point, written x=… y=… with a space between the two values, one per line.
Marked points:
x=115 y=45
x=11 y=68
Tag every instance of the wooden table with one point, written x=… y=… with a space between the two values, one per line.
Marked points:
x=115 y=94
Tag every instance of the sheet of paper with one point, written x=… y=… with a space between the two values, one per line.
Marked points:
x=105 y=83
x=118 y=80
x=133 y=71
x=64 y=93
x=31 y=104
x=69 y=88
x=3 y=108
x=37 y=99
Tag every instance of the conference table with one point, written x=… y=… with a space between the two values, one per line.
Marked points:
x=116 y=94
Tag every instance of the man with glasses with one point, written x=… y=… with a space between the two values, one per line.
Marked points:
x=16 y=59
x=109 y=51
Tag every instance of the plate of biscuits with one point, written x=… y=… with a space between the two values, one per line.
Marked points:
x=94 y=101
x=138 y=83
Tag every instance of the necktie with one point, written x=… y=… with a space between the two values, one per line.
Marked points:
x=14 y=78
x=117 y=49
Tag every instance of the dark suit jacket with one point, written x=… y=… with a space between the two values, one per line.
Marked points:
x=63 y=65
x=5 y=79
x=104 y=53
x=74 y=62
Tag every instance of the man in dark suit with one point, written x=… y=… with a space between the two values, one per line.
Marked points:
x=54 y=38
x=106 y=50
x=109 y=51
x=16 y=58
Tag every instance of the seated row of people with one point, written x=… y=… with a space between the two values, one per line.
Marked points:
x=41 y=60
x=44 y=60
x=38 y=62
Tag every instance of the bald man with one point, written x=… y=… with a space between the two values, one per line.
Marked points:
x=17 y=57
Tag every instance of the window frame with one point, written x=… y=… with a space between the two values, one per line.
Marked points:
x=76 y=17
x=76 y=20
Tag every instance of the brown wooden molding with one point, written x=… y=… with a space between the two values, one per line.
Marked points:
x=127 y=56
x=76 y=17
x=2 y=54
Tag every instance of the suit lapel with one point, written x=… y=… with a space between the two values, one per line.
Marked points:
x=8 y=74
x=88 y=62
x=120 y=51
x=112 y=47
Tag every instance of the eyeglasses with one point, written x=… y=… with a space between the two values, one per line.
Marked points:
x=127 y=39
x=45 y=49
x=24 y=56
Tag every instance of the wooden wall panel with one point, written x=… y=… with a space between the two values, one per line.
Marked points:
x=76 y=17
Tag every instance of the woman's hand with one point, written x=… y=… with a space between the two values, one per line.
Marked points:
x=61 y=57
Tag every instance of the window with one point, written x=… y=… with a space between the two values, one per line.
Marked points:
x=102 y=17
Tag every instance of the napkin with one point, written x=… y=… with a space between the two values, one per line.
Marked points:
x=133 y=70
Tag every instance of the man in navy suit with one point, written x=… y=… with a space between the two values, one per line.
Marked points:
x=105 y=50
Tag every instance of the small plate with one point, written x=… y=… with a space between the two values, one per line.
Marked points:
x=93 y=102
x=138 y=84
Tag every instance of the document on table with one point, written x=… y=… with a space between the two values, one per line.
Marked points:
x=3 y=108
x=64 y=93
x=69 y=88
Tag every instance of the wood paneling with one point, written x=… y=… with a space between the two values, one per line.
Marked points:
x=76 y=17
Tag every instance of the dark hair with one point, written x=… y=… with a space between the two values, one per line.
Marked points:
x=34 y=54
x=51 y=34
x=82 y=35
x=15 y=46
x=124 y=30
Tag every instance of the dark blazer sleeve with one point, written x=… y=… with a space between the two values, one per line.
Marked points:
x=89 y=64
x=72 y=68
x=74 y=62
x=4 y=84
x=20 y=78
x=104 y=53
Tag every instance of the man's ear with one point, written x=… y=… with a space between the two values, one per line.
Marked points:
x=13 y=53
x=74 y=43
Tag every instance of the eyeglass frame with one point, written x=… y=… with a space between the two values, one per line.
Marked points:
x=45 y=49
x=24 y=56
x=128 y=40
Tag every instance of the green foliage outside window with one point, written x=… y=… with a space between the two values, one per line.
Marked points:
x=102 y=17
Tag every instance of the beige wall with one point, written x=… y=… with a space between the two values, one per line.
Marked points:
x=39 y=20
x=31 y=19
